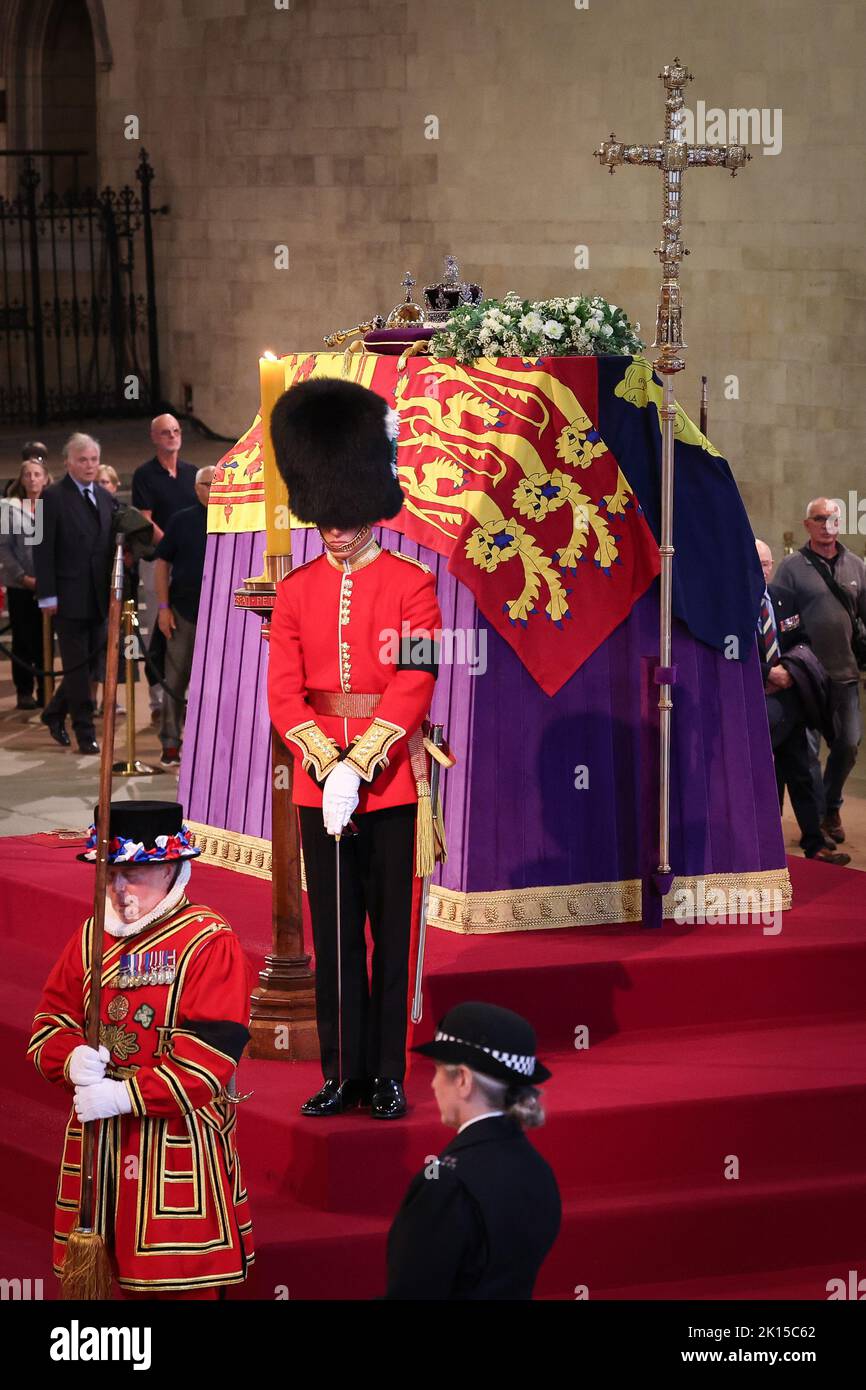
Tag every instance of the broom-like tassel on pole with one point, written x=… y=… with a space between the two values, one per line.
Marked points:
x=86 y=1269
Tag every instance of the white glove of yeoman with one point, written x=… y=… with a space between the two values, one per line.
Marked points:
x=101 y=1100
x=86 y=1066
x=339 y=798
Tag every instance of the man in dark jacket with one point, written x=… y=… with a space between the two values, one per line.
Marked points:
x=73 y=570
x=477 y=1223
x=796 y=689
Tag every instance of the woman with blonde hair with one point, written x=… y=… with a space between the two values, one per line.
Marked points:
x=19 y=534
x=107 y=478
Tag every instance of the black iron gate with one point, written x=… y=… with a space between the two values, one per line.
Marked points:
x=78 y=324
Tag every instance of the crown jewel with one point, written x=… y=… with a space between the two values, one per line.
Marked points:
x=443 y=298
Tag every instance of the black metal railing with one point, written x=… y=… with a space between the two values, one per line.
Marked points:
x=78 y=319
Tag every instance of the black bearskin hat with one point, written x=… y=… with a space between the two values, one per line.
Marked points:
x=334 y=452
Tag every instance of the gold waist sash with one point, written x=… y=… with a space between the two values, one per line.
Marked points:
x=430 y=833
x=343 y=705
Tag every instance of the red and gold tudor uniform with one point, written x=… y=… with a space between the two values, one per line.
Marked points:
x=171 y=1200
x=345 y=628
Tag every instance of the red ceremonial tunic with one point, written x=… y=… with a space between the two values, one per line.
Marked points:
x=347 y=631
x=171 y=1201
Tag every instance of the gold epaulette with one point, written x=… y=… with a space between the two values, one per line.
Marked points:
x=296 y=569
x=419 y=564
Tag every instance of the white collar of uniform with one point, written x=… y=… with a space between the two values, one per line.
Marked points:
x=115 y=927
x=488 y=1115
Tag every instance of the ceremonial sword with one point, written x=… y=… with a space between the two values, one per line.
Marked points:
x=351 y=829
x=440 y=756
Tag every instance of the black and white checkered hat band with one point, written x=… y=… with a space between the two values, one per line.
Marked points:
x=515 y=1061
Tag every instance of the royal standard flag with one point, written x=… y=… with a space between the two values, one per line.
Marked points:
x=504 y=471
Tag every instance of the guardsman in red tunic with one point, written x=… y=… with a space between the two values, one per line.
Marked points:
x=171 y=1203
x=352 y=665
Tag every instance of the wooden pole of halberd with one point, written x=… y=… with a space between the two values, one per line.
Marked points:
x=283 y=1007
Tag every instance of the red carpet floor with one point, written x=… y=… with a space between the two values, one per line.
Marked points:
x=707 y=1045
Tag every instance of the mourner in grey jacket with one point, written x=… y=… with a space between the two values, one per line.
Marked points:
x=809 y=578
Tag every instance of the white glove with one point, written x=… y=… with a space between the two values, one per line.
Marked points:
x=339 y=798
x=101 y=1100
x=87 y=1066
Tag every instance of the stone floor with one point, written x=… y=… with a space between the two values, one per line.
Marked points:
x=45 y=787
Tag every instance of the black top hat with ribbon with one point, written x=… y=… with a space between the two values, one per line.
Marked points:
x=143 y=832
x=490 y=1040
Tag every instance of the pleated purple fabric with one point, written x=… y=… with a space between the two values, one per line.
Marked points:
x=546 y=791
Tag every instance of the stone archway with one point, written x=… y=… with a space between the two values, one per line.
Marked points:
x=51 y=52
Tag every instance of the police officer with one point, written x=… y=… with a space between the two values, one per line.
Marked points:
x=479 y=1222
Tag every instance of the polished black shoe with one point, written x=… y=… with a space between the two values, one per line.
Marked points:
x=57 y=730
x=26 y=702
x=88 y=745
x=336 y=1097
x=388 y=1102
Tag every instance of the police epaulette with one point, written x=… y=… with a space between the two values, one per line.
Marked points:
x=419 y=564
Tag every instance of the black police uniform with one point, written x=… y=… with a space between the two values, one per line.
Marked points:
x=478 y=1224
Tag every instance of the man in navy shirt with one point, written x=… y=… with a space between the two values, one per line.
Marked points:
x=179 y=566
x=162 y=486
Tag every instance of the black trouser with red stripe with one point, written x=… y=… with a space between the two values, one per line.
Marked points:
x=376 y=882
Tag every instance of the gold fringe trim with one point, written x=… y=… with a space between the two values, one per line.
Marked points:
x=246 y=854
x=425 y=841
x=577 y=905
x=86 y=1269
x=439 y=832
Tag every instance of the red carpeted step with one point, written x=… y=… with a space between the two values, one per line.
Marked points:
x=810 y=1283
x=26 y=1255
x=650 y=1237
x=645 y=1240
x=663 y=1108
x=705 y=1042
x=717 y=976
x=607 y=979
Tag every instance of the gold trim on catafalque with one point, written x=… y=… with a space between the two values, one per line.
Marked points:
x=579 y=904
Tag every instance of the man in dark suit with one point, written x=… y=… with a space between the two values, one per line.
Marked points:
x=73 y=565
x=780 y=630
x=477 y=1223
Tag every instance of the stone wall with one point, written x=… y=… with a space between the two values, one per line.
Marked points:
x=307 y=126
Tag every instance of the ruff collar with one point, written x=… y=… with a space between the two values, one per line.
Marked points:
x=175 y=895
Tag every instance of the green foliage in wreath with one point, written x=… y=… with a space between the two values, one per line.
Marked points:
x=515 y=327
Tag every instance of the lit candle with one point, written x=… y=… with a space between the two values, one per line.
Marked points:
x=273 y=383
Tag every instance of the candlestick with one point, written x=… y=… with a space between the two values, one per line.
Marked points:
x=272 y=377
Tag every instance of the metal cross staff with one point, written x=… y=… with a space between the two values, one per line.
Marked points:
x=673 y=156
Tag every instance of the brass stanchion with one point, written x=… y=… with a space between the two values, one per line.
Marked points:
x=132 y=767
x=47 y=654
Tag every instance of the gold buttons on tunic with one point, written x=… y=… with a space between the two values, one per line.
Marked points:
x=345 y=615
